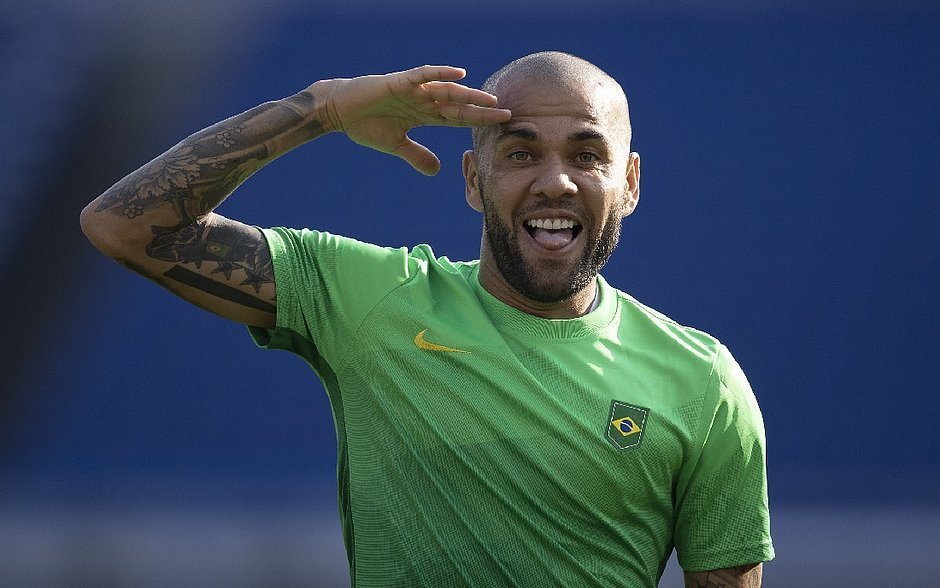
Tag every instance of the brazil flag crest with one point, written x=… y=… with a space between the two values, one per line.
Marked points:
x=626 y=424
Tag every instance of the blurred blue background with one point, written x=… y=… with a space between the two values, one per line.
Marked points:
x=789 y=207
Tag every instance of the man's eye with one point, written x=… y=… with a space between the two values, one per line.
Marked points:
x=520 y=156
x=587 y=157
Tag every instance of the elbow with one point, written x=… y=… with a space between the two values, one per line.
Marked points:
x=90 y=224
x=100 y=230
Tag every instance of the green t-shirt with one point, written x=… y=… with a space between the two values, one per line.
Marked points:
x=483 y=446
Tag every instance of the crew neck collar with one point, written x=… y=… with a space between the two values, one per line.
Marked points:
x=510 y=319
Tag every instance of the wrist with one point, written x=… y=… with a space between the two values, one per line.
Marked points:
x=322 y=105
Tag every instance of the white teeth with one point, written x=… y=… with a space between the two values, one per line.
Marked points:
x=551 y=223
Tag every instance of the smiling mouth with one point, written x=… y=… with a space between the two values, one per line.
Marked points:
x=553 y=233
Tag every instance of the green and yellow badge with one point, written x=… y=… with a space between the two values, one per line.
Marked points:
x=625 y=424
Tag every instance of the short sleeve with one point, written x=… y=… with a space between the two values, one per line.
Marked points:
x=722 y=514
x=326 y=286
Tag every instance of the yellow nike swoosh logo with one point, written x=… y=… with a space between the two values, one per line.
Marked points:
x=420 y=343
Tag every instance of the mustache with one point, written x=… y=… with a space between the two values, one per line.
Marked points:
x=542 y=204
x=553 y=206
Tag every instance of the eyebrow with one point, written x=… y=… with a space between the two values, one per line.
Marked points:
x=586 y=135
x=518 y=133
x=530 y=135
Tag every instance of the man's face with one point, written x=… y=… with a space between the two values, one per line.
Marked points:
x=553 y=184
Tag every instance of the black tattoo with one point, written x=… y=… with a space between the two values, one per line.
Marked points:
x=155 y=181
x=232 y=246
x=194 y=177
x=200 y=282
x=200 y=172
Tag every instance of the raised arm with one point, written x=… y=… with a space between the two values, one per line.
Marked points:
x=158 y=221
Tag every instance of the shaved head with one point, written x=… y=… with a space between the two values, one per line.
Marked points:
x=555 y=69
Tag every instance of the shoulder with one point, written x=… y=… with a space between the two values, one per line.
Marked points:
x=698 y=354
x=665 y=334
x=430 y=262
x=305 y=250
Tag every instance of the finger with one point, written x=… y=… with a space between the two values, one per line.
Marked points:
x=433 y=73
x=418 y=156
x=468 y=115
x=451 y=92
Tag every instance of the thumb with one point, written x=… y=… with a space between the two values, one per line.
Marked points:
x=420 y=157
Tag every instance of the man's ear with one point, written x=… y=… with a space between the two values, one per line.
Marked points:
x=632 y=196
x=471 y=178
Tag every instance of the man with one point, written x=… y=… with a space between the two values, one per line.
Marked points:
x=511 y=421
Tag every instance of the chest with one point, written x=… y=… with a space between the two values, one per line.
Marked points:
x=477 y=411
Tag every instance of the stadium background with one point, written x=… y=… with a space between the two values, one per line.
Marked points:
x=789 y=207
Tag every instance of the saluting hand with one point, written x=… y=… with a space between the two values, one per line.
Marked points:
x=378 y=111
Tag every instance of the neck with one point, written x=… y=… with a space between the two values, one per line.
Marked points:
x=578 y=304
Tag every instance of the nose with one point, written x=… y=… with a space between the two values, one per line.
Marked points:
x=553 y=180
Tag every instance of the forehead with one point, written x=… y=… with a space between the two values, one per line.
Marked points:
x=563 y=107
x=526 y=93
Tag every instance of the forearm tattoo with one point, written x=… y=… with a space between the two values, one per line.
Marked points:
x=194 y=177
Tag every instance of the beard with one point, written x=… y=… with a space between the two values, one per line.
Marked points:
x=553 y=282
